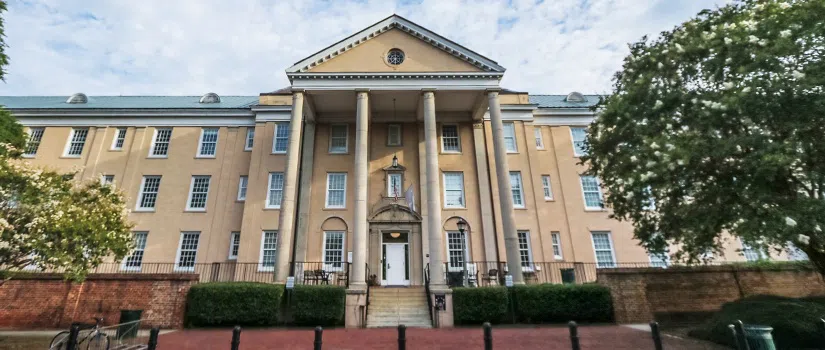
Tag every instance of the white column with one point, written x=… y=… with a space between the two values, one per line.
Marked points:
x=286 y=222
x=484 y=193
x=307 y=162
x=504 y=193
x=360 y=231
x=433 y=197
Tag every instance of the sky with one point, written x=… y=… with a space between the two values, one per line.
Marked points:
x=242 y=47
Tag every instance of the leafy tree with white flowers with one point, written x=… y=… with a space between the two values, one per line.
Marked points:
x=718 y=126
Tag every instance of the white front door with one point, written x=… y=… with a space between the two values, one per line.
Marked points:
x=396 y=264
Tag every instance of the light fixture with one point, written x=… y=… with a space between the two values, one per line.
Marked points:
x=394 y=161
x=462 y=225
x=395 y=234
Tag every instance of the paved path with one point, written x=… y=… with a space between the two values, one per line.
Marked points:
x=541 y=337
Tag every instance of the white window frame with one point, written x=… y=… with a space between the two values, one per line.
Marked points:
x=330 y=266
x=326 y=199
x=36 y=137
x=346 y=139
x=143 y=192
x=180 y=251
x=530 y=262
x=537 y=132
x=748 y=249
x=612 y=248
x=275 y=138
x=118 y=137
x=243 y=184
x=507 y=127
x=555 y=239
x=444 y=194
x=142 y=250
x=269 y=190
x=250 y=138
x=666 y=260
x=104 y=179
x=234 y=245
x=547 y=187
x=200 y=143
x=191 y=192
x=520 y=189
x=399 y=129
x=457 y=137
x=155 y=141
x=70 y=141
x=584 y=193
x=573 y=140
x=261 y=266
x=400 y=184
x=450 y=266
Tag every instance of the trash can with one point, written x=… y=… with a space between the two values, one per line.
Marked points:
x=759 y=337
x=129 y=323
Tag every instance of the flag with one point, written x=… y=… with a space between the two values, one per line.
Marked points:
x=409 y=195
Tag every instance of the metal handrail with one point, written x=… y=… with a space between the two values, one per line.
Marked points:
x=367 y=306
x=427 y=291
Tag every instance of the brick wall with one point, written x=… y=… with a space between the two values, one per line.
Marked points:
x=48 y=301
x=644 y=294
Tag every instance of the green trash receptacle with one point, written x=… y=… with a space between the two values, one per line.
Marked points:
x=129 y=323
x=759 y=337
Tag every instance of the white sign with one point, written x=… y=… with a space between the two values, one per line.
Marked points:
x=349 y=257
x=290 y=282
x=508 y=280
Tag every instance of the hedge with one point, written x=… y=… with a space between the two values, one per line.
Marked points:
x=233 y=303
x=562 y=303
x=479 y=305
x=318 y=305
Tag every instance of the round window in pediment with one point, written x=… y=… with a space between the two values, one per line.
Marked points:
x=395 y=57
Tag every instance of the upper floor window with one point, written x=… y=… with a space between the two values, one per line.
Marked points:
x=250 y=138
x=510 y=137
x=592 y=192
x=244 y=181
x=281 y=138
x=187 y=251
x=578 y=135
x=517 y=189
x=603 y=246
x=545 y=184
x=453 y=189
x=269 y=246
x=198 y=193
x=394 y=135
x=336 y=190
x=107 y=179
x=525 y=253
x=394 y=185
x=160 y=142
x=119 y=139
x=77 y=140
x=35 y=136
x=148 y=196
x=539 y=138
x=750 y=253
x=209 y=142
x=276 y=190
x=135 y=259
x=338 y=136
x=450 y=141
x=234 y=245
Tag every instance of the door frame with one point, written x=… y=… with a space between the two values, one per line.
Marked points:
x=407 y=259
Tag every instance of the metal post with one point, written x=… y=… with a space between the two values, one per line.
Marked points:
x=466 y=280
x=72 y=342
x=319 y=334
x=822 y=329
x=236 y=337
x=735 y=338
x=488 y=336
x=402 y=337
x=153 y=339
x=740 y=335
x=574 y=335
x=657 y=338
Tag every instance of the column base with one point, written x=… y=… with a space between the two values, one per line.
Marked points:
x=442 y=318
x=356 y=307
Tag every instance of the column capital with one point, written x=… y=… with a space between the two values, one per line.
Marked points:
x=362 y=90
x=489 y=90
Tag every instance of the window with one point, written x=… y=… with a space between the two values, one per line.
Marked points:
x=395 y=57
x=548 y=191
x=269 y=245
x=750 y=253
x=107 y=179
x=198 y=192
x=76 y=141
x=234 y=245
x=796 y=254
x=578 y=135
x=394 y=185
x=281 y=138
x=592 y=193
x=457 y=249
x=394 y=135
x=515 y=187
x=524 y=251
x=209 y=142
x=334 y=250
x=187 y=251
x=556 y=245
x=450 y=141
x=160 y=143
x=135 y=259
x=119 y=139
x=35 y=135
x=244 y=181
x=510 y=137
x=539 y=138
x=453 y=189
x=603 y=246
x=276 y=190
x=336 y=190
x=250 y=138
x=338 y=135
x=149 y=188
x=658 y=260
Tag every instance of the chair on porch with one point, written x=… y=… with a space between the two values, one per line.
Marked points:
x=490 y=277
x=318 y=276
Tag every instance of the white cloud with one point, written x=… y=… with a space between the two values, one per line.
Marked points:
x=189 y=47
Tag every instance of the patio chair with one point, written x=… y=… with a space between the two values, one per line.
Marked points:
x=490 y=276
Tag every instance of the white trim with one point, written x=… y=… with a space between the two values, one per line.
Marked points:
x=571 y=111
x=30 y=138
x=531 y=263
x=573 y=140
x=269 y=191
x=612 y=247
x=521 y=189
x=512 y=115
x=232 y=237
x=666 y=260
x=245 y=188
x=537 y=131
x=192 y=188
x=141 y=193
x=69 y=143
x=103 y=180
x=264 y=116
x=400 y=184
x=403 y=82
x=275 y=138
x=346 y=139
x=467 y=255
x=326 y=196
x=601 y=194
x=115 y=138
x=554 y=237
x=249 y=129
x=155 y=139
x=505 y=136
x=123 y=266
x=261 y=267
x=548 y=186
x=328 y=266
x=441 y=137
x=200 y=143
x=180 y=246
x=444 y=191
x=125 y=120
x=563 y=121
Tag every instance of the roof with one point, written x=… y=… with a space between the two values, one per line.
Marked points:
x=126 y=102
x=559 y=101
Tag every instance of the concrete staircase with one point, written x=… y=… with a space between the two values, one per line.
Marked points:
x=390 y=307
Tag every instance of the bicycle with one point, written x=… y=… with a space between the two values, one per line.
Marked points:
x=95 y=339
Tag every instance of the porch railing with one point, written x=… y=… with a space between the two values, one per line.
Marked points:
x=489 y=273
x=319 y=272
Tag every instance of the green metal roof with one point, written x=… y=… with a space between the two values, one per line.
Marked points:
x=559 y=101
x=126 y=102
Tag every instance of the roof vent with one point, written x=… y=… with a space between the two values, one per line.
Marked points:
x=210 y=97
x=575 y=97
x=78 y=98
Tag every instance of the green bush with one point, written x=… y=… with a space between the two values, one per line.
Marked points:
x=562 y=303
x=318 y=305
x=233 y=303
x=479 y=305
x=794 y=321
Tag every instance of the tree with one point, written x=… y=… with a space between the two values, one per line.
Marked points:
x=11 y=132
x=716 y=127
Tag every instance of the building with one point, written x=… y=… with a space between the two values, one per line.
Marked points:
x=363 y=166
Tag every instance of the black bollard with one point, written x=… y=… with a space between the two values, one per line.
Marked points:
x=72 y=341
x=402 y=337
x=488 y=336
x=236 y=337
x=574 y=335
x=657 y=337
x=319 y=334
x=153 y=339
x=740 y=335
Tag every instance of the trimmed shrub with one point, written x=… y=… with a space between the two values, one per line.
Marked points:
x=479 y=305
x=233 y=303
x=794 y=321
x=318 y=305
x=562 y=303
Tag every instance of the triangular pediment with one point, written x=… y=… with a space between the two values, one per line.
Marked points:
x=424 y=51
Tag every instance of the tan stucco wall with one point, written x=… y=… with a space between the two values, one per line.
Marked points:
x=275 y=100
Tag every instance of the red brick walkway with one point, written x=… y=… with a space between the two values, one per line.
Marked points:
x=592 y=337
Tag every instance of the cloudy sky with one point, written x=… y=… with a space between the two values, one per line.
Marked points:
x=239 y=47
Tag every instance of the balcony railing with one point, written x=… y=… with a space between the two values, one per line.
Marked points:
x=491 y=273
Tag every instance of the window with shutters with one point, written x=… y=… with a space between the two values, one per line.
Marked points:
x=338 y=138
x=450 y=141
x=160 y=143
x=208 y=146
x=276 y=190
x=35 y=136
x=77 y=139
x=198 y=193
x=394 y=135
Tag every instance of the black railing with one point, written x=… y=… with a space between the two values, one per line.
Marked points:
x=207 y=272
x=427 y=292
x=310 y=272
x=491 y=273
x=367 y=303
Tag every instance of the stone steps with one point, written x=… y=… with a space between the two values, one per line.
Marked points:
x=390 y=307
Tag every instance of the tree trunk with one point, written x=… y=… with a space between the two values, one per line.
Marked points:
x=816 y=253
